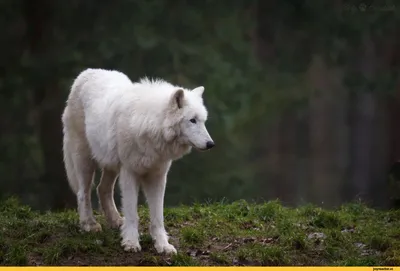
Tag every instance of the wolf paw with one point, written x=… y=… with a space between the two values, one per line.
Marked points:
x=91 y=226
x=130 y=245
x=117 y=223
x=165 y=248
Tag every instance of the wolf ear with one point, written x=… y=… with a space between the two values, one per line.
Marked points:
x=177 y=99
x=199 y=91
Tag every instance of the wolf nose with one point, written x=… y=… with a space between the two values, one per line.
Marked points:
x=210 y=144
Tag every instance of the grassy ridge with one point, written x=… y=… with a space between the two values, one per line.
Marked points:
x=213 y=234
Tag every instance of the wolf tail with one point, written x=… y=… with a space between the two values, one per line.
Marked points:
x=68 y=162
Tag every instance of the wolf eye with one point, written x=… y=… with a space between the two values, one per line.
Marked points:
x=193 y=120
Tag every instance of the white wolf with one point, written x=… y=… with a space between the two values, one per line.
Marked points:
x=134 y=131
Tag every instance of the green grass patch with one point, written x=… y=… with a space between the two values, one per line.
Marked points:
x=217 y=234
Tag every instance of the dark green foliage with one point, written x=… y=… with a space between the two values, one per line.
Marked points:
x=204 y=43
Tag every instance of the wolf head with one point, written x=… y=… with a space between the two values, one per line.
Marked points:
x=190 y=115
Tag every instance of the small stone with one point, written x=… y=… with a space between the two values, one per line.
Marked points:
x=316 y=235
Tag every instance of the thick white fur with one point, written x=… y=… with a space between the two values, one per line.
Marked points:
x=130 y=130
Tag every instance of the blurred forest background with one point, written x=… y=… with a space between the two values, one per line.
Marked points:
x=303 y=96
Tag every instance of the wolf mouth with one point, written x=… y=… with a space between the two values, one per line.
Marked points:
x=198 y=149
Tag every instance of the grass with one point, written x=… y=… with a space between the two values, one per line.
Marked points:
x=215 y=234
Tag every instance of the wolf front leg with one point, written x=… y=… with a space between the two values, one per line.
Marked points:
x=154 y=189
x=129 y=185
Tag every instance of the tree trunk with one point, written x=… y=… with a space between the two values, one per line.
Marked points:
x=48 y=99
x=364 y=112
x=288 y=159
x=328 y=134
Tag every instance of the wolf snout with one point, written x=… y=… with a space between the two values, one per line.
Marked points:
x=210 y=144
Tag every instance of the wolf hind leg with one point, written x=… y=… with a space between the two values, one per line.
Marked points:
x=84 y=168
x=105 y=194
